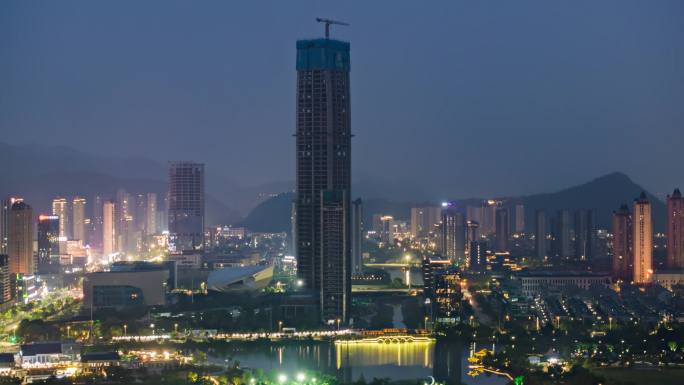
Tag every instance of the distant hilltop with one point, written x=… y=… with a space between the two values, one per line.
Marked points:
x=604 y=194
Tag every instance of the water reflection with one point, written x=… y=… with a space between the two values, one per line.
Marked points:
x=445 y=361
x=392 y=360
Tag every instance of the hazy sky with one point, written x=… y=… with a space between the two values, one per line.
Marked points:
x=469 y=97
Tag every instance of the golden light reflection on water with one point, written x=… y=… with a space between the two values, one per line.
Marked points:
x=377 y=353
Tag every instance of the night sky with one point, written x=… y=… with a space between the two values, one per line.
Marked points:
x=460 y=98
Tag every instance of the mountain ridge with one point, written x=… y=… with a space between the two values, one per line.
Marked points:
x=604 y=193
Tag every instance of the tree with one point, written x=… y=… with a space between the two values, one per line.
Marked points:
x=37 y=330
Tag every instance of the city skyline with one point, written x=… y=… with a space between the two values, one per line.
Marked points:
x=442 y=253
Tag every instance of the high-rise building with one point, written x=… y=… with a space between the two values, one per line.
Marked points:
x=60 y=207
x=540 y=232
x=357 y=235
x=5 y=207
x=432 y=266
x=48 y=244
x=109 y=228
x=324 y=174
x=5 y=282
x=140 y=215
x=293 y=227
x=519 y=218
x=562 y=234
x=474 y=214
x=151 y=214
x=95 y=236
x=423 y=220
x=503 y=232
x=387 y=232
x=453 y=229
x=78 y=207
x=186 y=205
x=488 y=222
x=585 y=234
x=675 y=230
x=20 y=239
x=477 y=255
x=623 y=257
x=642 y=239
x=124 y=220
x=473 y=231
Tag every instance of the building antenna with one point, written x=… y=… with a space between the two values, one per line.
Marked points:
x=328 y=22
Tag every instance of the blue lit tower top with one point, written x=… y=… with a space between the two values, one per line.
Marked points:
x=322 y=54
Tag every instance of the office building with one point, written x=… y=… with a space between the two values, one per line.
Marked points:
x=540 y=232
x=151 y=214
x=78 y=207
x=357 y=235
x=585 y=234
x=675 y=231
x=623 y=257
x=423 y=220
x=20 y=239
x=60 y=208
x=453 y=233
x=109 y=228
x=503 y=232
x=48 y=244
x=642 y=238
x=323 y=143
x=186 y=206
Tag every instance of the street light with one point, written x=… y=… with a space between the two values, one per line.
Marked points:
x=175 y=328
x=68 y=332
x=152 y=326
x=280 y=326
x=338 y=324
x=125 y=330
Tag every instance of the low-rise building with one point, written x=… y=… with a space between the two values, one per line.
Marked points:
x=7 y=363
x=546 y=281
x=121 y=289
x=97 y=360
x=669 y=278
x=48 y=354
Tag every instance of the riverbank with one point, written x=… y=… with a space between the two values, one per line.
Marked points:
x=637 y=376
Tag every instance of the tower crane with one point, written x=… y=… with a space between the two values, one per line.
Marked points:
x=328 y=22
